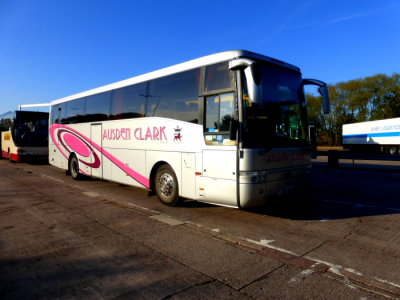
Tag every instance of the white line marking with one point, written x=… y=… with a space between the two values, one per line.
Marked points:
x=353 y=271
x=336 y=269
x=167 y=220
x=301 y=276
x=387 y=282
x=143 y=208
x=267 y=244
x=52 y=178
x=91 y=194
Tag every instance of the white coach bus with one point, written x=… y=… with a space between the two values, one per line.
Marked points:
x=229 y=129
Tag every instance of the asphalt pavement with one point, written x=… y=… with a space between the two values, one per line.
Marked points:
x=62 y=239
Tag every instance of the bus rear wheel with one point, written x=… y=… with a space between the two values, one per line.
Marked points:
x=166 y=186
x=73 y=167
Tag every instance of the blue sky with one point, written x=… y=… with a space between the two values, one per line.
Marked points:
x=54 y=48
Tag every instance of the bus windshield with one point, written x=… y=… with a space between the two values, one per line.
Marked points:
x=278 y=118
x=30 y=129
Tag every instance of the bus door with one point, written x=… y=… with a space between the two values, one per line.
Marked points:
x=219 y=156
x=96 y=138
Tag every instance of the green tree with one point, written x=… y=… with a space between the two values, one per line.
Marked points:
x=364 y=99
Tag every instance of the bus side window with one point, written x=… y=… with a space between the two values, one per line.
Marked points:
x=129 y=102
x=75 y=111
x=55 y=114
x=98 y=107
x=175 y=96
x=193 y=107
x=218 y=77
x=61 y=114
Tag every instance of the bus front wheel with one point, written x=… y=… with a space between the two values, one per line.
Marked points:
x=166 y=186
x=73 y=167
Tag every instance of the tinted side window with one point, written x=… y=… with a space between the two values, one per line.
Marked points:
x=74 y=112
x=218 y=77
x=55 y=114
x=98 y=107
x=129 y=102
x=175 y=97
x=7 y=120
x=61 y=114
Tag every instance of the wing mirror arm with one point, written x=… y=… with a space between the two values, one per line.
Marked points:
x=252 y=75
x=323 y=90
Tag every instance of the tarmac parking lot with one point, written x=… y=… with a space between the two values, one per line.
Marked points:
x=93 y=239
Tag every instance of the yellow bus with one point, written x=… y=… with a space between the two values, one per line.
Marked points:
x=24 y=135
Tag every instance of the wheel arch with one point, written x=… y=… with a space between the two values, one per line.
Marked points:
x=153 y=173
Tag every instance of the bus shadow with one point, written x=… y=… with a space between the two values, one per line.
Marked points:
x=324 y=209
x=88 y=178
x=341 y=194
x=38 y=162
x=27 y=161
x=195 y=204
x=314 y=207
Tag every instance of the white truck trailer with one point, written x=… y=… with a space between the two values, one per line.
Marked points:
x=380 y=135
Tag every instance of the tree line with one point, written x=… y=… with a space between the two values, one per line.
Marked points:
x=366 y=99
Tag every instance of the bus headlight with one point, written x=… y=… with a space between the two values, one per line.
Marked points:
x=253 y=177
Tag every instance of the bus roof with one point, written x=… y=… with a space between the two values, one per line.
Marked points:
x=195 y=63
x=13 y=113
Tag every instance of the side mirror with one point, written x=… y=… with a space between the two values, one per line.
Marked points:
x=323 y=90
x=252 y=75
x=253 y=81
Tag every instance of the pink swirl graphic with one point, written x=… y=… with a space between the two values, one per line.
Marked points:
x=74 y=142
x=68 y=140
x=77 y=145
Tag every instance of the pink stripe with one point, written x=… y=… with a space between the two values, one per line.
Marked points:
x=132 y=173
x=135 y=175
x=52 y=130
